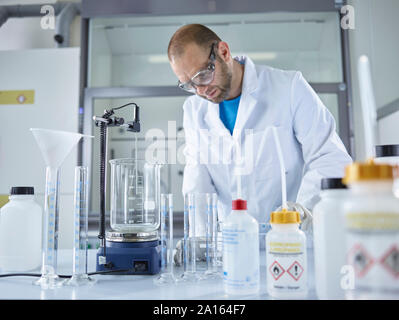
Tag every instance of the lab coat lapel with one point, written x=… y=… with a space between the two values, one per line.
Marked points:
x=247 y=101
x=212 y=118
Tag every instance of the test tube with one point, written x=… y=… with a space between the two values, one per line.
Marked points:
x=189 y=251
x=185 y=235
x=80 y=234
x=219 y=244
x=49 y=278
x=215 y=231
x=166 y=276
x=211 y=238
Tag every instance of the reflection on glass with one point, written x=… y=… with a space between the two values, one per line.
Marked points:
x=128 y=51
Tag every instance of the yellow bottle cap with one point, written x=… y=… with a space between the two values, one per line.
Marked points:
x=284 y=217
x=366 y=171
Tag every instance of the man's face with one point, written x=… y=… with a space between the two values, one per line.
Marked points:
x=195 y=59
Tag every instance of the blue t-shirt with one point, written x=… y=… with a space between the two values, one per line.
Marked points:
x=228 y=112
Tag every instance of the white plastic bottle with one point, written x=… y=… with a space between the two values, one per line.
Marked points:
x=286 y=257
x=372 y=232
x=240 y=251
x=389 y=154
x=20 y=231
x=329 y=239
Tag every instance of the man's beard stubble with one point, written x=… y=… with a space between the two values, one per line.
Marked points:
x=224 y=87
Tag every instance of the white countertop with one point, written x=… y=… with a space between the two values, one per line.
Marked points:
x=131 y=287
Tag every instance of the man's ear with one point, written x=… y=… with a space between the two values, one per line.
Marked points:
x=224 y=51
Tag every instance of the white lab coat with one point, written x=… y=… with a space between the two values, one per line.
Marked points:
x=306 y=129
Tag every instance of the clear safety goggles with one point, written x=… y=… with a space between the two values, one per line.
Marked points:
x=202 y=77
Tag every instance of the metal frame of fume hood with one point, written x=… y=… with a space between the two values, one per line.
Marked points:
x=120 y=8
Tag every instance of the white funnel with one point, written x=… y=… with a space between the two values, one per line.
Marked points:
x=56 y=145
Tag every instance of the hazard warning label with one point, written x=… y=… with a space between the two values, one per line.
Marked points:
x=295 y=270
x=360 y=259
x=390 y=261
x=276 y=270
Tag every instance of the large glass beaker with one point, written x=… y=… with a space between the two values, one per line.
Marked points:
x=135 y=195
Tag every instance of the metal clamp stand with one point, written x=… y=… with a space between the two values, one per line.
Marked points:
x=104 y=122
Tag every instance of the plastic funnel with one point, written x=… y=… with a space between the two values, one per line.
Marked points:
x=56 y=145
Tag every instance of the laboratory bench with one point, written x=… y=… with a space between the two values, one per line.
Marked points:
x=132 y=287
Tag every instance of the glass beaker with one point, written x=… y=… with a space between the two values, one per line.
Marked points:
x=135 y=195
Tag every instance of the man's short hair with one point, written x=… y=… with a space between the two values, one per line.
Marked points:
x=190 y=33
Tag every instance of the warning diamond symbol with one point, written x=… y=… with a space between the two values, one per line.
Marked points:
x=391 y=261
x=295 y=270
x=361 y=261
x=276 y=270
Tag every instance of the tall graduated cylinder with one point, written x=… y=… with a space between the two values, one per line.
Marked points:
x=135 y=195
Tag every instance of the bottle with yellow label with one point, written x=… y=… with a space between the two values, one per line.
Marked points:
x=371 y=232
x=286 y=259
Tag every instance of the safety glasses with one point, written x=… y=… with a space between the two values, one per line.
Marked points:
x=202 y=77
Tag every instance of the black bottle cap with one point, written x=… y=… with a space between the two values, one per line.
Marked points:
x=332 y=183
x=22 y=191
x=388 y=150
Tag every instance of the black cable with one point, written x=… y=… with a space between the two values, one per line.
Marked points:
x=20 y=275
x=61 y=276
x=125 y=105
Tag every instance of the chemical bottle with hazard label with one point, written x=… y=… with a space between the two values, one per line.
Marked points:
x=372 y=231
x=286 y=258
x=240 y=251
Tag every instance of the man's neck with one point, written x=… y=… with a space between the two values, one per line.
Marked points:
x=236 y=81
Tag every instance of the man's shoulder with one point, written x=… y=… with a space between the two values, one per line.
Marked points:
x=194 y=102
x=272 y=73
x=194 y=108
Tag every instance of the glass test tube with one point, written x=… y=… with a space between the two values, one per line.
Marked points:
x=80 y=235
x=211 y=238
x=166 y=276
x=219 y=246
x=186 y=235
x=49 y=278
x=191 y=212
x=214 y=231
x=189 y=251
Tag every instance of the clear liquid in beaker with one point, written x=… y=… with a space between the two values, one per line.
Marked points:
x=135 y=195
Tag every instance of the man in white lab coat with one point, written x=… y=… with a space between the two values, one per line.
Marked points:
x=235 y=105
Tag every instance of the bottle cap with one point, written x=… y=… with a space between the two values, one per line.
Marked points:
x=239 y=204
x=332 y=183
x=388 y=150
x=367 y=171
x=22 y=191
x=285 y=217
